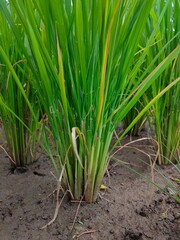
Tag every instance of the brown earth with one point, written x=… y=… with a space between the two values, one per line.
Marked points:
x=129 y=209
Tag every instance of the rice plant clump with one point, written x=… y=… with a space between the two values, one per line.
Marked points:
x=80 y=54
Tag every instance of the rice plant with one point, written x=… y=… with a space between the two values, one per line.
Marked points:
x=132 y=114
x=80 y=54
x=18 y=123
x=141 y=103
x=166 y=111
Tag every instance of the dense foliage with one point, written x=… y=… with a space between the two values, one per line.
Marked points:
x=80 y=64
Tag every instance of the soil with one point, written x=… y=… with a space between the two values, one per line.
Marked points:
x=129 y=209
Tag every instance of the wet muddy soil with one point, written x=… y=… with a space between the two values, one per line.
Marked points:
x=129 y=208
